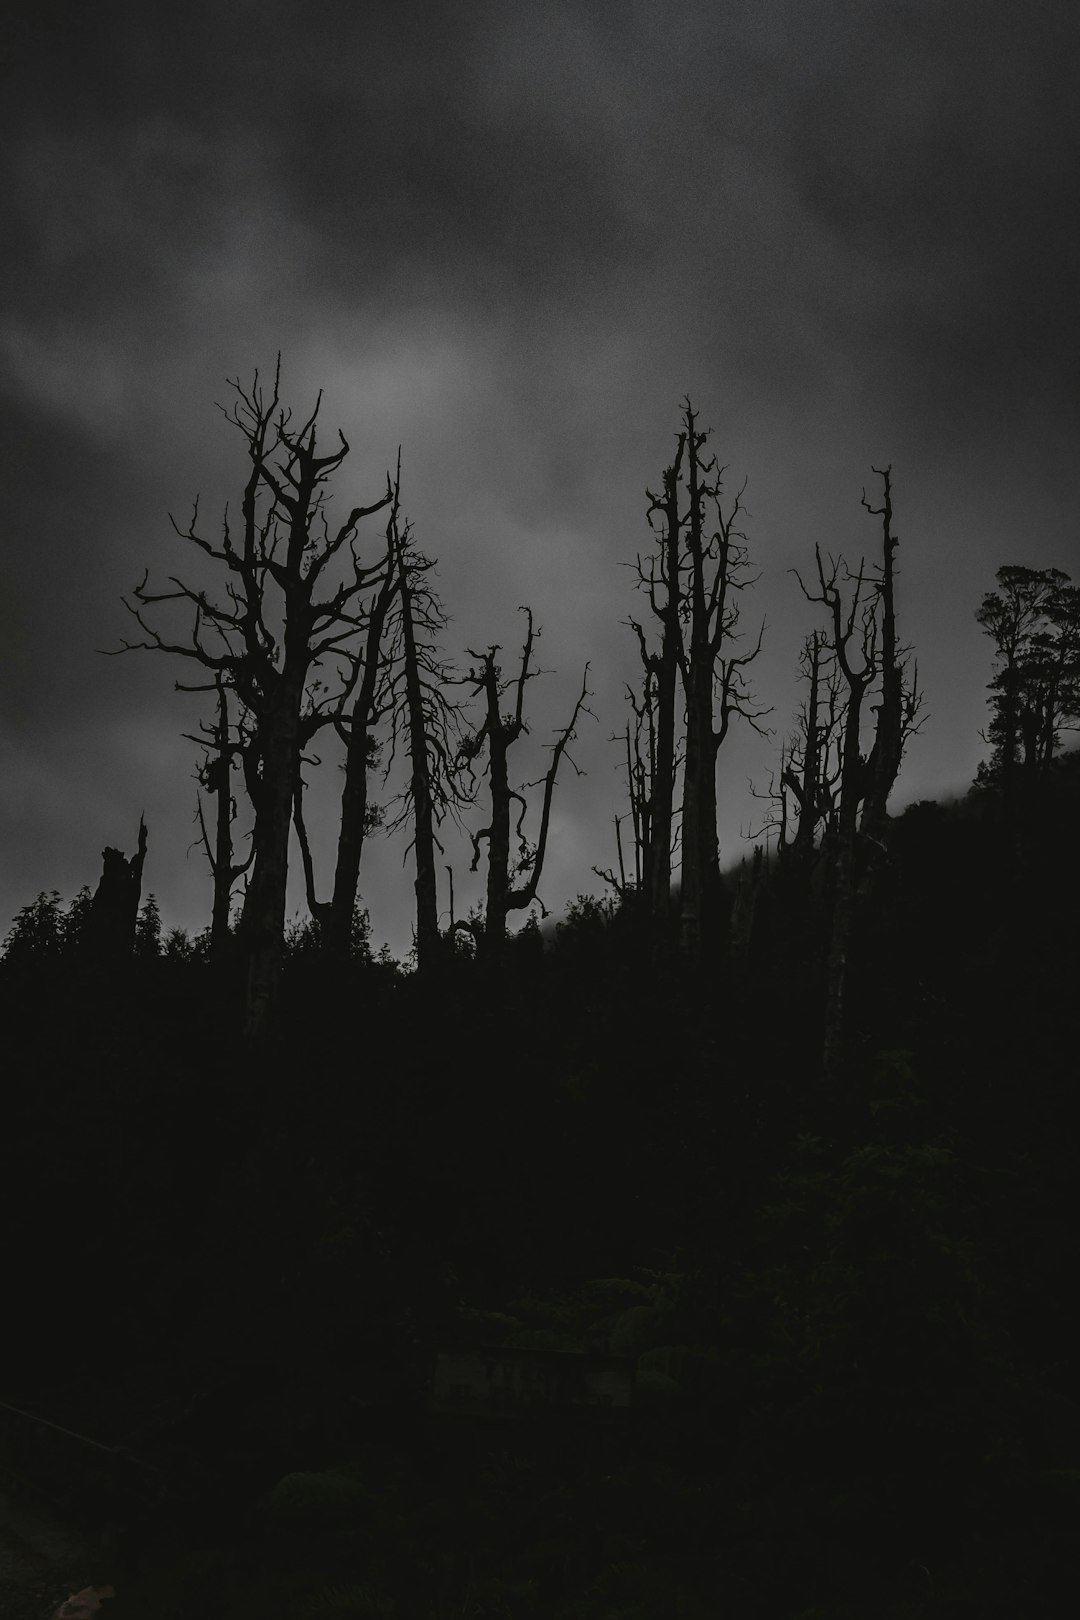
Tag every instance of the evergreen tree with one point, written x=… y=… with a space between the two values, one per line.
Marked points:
x=148 y=930
x=1033 y=619
x=76 y=920
x=37 y=931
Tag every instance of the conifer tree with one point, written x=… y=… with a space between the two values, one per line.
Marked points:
x=148 y=930
x=1033 y=619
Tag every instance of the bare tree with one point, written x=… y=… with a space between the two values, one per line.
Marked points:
x=364 y=700
x=853 y=642
x=639 y=739
x=641 y=769
x=713 y=675
x=810 y=773
x=862 y=647
x=215 y=775
x=291 y=589
x=660 y=577
x=899 y=699
x=498 y=732
x=358 y=733
x=427 y=724
x=114 y=908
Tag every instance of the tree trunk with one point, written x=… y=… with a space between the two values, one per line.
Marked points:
x=694 y=806
x=219 y=920
x=666 y=668
x=358 y=753
x=219 y=780
x=883 y=765
x=699 y=771
x=427 y=905
x=498 y=873
x=500 y=734
x=114 y=908
x=808 y=789
x=661 y=808
x=842 y=919
x=338 y=916
x=263 y=924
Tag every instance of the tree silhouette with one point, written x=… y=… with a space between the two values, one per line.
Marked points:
x=714 y=682
x=37 y=931
x=293 y=598
x=810 y=771
x=426 y=724
x=148 y=930
x=899 y=698
x=498 y=732
x=639 y=739
x=1033 y=619
x=363 y=701
x=114 y=910
x=215 y=775
x=660 y=577
x=692 y=584
x=861 y=642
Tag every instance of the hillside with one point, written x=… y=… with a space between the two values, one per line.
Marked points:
x=847 y=1308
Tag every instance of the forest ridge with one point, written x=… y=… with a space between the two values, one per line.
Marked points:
x=304 y=632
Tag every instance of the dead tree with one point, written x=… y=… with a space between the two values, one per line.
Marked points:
x=714 y=681
x=898 y=702
x=272 y=630
x=355 y=712
x=215 y=775
x=632 y=884
x=853 y=642
x=115 y=905
x=359 y=736
x=640 y=763
x=862 y=644
x=498 y=732
x=427 y=725
x=661 y=579
x=810 y=773
x=640 y=779
x=804 y=800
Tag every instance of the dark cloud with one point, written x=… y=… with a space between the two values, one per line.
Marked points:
x=510 y=238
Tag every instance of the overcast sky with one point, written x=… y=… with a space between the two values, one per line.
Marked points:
x=510 y=237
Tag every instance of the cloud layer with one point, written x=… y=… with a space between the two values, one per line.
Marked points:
x=511 y=238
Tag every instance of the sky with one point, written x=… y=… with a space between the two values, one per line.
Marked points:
x=510 y=238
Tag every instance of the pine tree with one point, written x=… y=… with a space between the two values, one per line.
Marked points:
x=36 y=933
x=148 y=930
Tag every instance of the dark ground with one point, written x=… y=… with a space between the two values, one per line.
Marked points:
x=850 y=1312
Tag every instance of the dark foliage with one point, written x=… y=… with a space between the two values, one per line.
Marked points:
x=849 y=1313
x=1033 y=619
